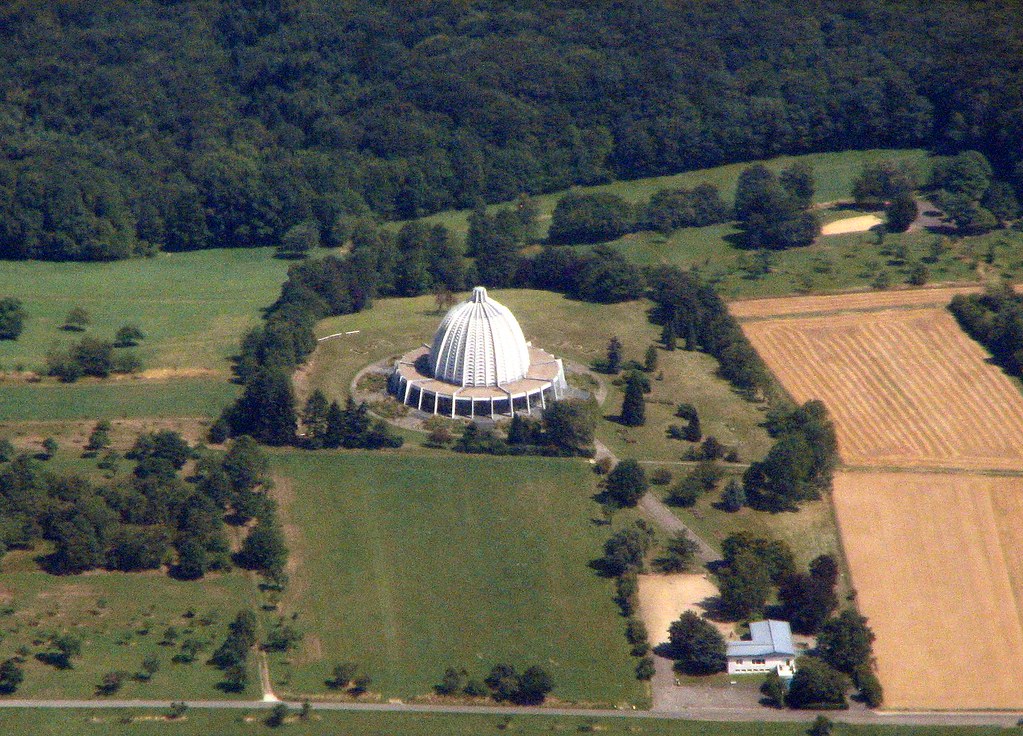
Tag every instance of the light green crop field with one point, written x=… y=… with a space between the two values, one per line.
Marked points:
x=571 y=329
x=411 y=564
x=834 y=173
x=198 y=722
x=179 y=397
x=193 y=307
x=121 y=618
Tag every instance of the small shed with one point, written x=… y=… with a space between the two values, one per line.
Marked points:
x=768 y=648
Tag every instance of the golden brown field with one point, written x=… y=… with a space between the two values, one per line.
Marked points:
x=855 y=301
x=906 y=388
x=937 y=562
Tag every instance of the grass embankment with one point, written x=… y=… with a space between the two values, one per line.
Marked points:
x=576 y=331
x=243 y=723
x=408 y=565
x=192 y=307
x=120 y=618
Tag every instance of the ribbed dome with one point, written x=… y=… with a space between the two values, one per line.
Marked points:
x=479 y=343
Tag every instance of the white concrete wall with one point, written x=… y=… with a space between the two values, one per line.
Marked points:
x=745 y=665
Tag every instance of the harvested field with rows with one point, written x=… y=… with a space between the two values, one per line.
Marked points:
x=747 y=309
x=937 y=563
x=906 y=388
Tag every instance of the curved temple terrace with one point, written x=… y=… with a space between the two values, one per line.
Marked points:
x=479 y=364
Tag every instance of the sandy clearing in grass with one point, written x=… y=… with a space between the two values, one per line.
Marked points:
x=663 y=598
x=906 y=388
x=937 y=563
x=858 y=224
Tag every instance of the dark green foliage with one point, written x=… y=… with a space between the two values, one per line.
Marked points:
x=846 y=642
x=733 y=498
x=12 y=318
x=882 y=182
x=278 y=715
x=77 y=319
x=627 y=593
x=590 y=218
x=613 y=363
x=696 y=646
x=626 y=484
x=799 y=465
x=266 y=409
x=967 y=174
x=453 y=682
x=774 y=554
x=679 y=554
x=821 y=726
x=234 y=651
x=645 y=669
x=633 y=413
x=165 y=444
x=570 y=425
x=132 y=549
x=670 y=209
x=601 y=274
x=745 y=585
x=817 y=686
x=264 y=548
x=220 y=430
x=476 y=439
x=299 y=240
x=342 y=675
x=529 y=688
x=6 y=450
x=702 y=479
x=807 y=601
x=626 y=550
x=773 y=690
x=128 y=336
x=650 y=359
x=282 y=637
x=869 y=686
x=1001 y=201
x=994 y=319
x=773 y=210
x=11 y=676
x=99 y=438
x=900 y=212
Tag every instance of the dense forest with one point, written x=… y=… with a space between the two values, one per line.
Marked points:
x=130 y=127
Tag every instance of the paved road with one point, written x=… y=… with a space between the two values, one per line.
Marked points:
x=695 y=712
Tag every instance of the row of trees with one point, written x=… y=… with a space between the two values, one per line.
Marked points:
x=401 y=109
x=565 y=429
x=503 y=683
x=994 y=319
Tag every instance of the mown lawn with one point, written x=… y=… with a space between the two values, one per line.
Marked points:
x=576 y=331
x=120 y=618
x=193 y=307
x=242 y=723
x=411 y=564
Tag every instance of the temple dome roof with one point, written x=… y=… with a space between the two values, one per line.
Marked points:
x=479 y=343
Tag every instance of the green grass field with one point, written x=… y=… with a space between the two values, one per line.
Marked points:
x=121 y=618
x=193 y=307
x=244 y=723
x=183 y=397
x=574 y=330
x=410 y=564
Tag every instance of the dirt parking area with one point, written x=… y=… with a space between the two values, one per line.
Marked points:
x=663 y=598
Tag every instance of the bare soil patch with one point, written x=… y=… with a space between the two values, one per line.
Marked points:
x=937 y=562
x=906 y=388
x=860 y=224
x=663 y=598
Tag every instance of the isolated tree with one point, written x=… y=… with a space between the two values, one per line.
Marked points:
x=50 y=447
x=11 y=676
x=846 y=642
x=150 y=666
x=67 y=647
x=650 y=359
x=278 y=715
x=614 y=355
x=633 y=412
x=12 y=318
x=534 y=685
x=624 y=552
x=77 y=319
x=773 y=689
x=821 y=726
x=668 y=336
x=744 y=585
x=128 y=336
x=645 y=668
x=824 y=568
x=733 y=498
x=342 y=675
x=264 y=548
x=900 y=212
x=679 y=554
x=626 y=484
x=696 y=646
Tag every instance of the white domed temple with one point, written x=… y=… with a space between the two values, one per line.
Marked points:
x=479 y=364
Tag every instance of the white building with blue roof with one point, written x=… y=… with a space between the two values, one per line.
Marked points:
x=768 y=648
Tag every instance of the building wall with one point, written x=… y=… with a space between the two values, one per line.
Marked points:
x=745 y=665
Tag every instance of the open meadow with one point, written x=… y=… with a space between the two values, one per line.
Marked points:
x=905 y=387
x=120 y=618
x=937 y=561
x=192 y=307
x=411 y=564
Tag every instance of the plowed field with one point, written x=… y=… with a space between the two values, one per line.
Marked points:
x=906 y=388
x=937 y=563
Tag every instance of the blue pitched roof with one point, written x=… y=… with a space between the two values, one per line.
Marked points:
x=767 y=637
